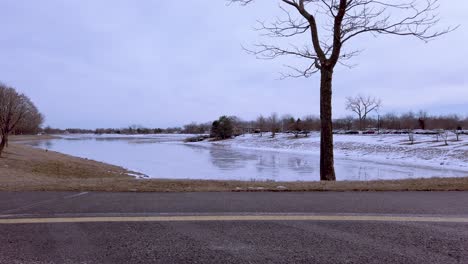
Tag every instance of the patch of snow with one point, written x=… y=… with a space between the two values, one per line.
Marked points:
x=256 y=188
x=137 y=175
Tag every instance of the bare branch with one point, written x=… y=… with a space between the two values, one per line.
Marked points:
x=410 y=18
x=341 y=21
x=362 y=106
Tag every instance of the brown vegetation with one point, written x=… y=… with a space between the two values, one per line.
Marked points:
x=17 y=113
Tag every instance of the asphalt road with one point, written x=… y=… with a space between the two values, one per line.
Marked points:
x=384 y=227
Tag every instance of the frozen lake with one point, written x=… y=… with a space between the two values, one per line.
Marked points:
x=166 y=156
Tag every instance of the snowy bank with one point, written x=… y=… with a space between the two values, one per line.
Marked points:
x=426 y=151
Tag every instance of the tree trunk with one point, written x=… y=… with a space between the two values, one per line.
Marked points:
x=3 y=143
x=327 y=168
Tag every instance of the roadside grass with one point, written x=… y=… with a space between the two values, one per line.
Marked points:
x=153 y=185
x=24 y=168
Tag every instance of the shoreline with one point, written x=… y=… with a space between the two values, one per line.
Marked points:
x=24 y=168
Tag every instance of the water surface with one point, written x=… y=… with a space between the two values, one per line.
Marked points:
x=166 y=156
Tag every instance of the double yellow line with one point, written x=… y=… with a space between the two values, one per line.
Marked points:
x=204 y=218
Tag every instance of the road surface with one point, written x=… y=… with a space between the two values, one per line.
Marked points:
x=350 y=227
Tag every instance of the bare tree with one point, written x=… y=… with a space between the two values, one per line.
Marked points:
x=422 y=117
x=457 y=133
x=15 y=110
x=285 y=122
x=311 y=123
x=362 y=106
x=330 y=24
x=391 y=121
x=345 y=123
x=297 y=127
x=408 y=120
x=31 y=123
x=261 y=123
x=273 y=122
x=237 y=124
x=349 y=122
x=411 y=136
x=444 y=134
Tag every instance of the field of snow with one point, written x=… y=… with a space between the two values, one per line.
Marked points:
x=427 y=150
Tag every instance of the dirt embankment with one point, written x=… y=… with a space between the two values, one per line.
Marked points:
x=23 y=168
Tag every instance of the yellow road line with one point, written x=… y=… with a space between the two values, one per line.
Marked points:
x=233 y=218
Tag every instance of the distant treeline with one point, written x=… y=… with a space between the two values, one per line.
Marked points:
x=125 y=131
x=289 y=123
x=406 y=121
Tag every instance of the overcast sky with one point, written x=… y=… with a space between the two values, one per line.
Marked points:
x=112 y=63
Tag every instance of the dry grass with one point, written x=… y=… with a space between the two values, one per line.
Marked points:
x=19 y=138
x=27 y=169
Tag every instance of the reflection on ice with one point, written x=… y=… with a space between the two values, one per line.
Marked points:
x=163 y=156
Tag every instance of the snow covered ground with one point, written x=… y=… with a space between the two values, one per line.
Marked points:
x=426 y=151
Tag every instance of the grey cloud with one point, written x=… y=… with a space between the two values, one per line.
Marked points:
x=158 y=63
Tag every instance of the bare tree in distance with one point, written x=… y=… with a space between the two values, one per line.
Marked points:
x=310 y=123
x=362 y=106
x=330 y=25
x=273 y=122
x=422 y=117
x=261 y=123
x=444 y=134
x=15 y=110
x=457 y=133
x=411 y=136
x=285 y=122
x=348 y=122
x=297 y=127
